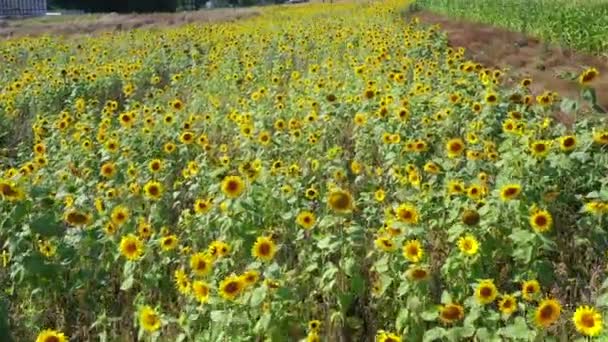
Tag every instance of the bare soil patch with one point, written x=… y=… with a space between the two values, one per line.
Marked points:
x=522 y=56
x=95 y=23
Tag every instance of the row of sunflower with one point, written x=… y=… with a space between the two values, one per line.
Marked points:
x=319 y=172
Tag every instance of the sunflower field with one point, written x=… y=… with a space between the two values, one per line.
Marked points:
x=316 y=173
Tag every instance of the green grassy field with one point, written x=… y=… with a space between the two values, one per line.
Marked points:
x=580 y=24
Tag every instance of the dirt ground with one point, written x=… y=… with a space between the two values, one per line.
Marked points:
x=93 y=23
x=523 y=56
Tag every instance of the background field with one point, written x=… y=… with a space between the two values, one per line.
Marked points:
x=579 y=24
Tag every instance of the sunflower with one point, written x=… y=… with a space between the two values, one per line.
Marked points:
x=50 y=335
x=131 y=247
x=311 y=193
x=530 y=289
x=588 y=76
x=510 y=192
x=454 y=147
x=407 y=213
x=182 y=282
x=385 y=244
x=474 y=191
x=541 y=221
x=431 y=168
x=250 y=277
x=149 y=319
x=313 y=336
x=340 y=201
x=314 y=325
x=412 y=251
x=233 y=186
x=507 y=304
x=383 y=336
x=596 y=208
x=108 y=170
x=231 y=287
x=200 y=291
x=468 y=245
x=567 y=143
x=455 y=187
x=169 y=147
x=491 y=98
x=379 y=195
x=186 y=138
x=451 y=313
x=155 y=165
x=470 y=217
x=219 y=249
x=120 y=215
x=153 y=190
x=417 y=273
x=547 y=312
x=201 y=264
x=306 y=219
x=540 y=148
x=77 y=218
x=600 y=137
x=177 y=104
x=588 y=321
x=168 y=243
x=264 y=138
x=264 y=248
x=486 y=291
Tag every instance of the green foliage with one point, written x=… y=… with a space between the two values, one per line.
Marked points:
x=579 y=24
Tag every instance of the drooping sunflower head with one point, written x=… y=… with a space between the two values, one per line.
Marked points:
x=451 y=313
x=470 y=217
x=77 y=218
x=340 y=201
x=417 y=273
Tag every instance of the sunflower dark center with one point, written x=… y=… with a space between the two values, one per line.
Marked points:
x=231 y=287
x=264 y=249
x=540 y=220
x=587 y=320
